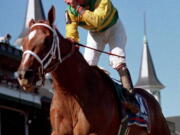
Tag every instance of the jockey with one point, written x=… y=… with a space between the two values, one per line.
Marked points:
x=101 y=20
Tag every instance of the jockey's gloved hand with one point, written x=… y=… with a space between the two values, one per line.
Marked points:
x=80 y=9
x=72 y=40
x=72 y=3
x=76 y=4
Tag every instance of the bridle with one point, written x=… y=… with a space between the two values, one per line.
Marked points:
x=51 y=55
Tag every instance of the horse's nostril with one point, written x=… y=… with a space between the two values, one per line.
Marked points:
x=24 y=74
x=28 y=74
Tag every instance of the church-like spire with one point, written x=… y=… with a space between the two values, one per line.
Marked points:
x=145 y=30
x=147 y=77
x=34 y=11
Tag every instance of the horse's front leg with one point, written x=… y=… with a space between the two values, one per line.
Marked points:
x=55 y=123
x=60 y=125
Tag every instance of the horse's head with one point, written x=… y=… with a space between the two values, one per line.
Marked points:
x=41 y=52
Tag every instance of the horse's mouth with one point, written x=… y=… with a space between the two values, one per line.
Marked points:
x=27 y=85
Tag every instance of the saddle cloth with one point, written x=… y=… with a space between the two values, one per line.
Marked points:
x=142 y=118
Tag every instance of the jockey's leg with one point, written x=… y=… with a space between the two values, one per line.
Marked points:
x=96 y=41
x=125 y=77
x=117 y=42
x=130 y=103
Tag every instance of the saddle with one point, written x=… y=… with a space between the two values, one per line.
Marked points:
x=142 y=118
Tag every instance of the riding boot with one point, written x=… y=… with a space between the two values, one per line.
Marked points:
x=130 y=103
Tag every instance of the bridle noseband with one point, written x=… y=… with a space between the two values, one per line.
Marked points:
x=55 y=48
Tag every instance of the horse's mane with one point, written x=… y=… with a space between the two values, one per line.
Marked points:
x=105 y=76
x=102 y=73
x=109 y=81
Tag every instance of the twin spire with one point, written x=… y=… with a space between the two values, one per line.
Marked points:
x=147 y=76
x=34 y=11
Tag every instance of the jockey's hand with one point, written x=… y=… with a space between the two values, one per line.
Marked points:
x=80 y=9
x=75 y=4
x=72 y=40
x=72 y=3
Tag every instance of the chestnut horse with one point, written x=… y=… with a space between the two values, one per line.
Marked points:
x=84 y=101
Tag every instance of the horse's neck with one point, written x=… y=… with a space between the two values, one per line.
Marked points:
x=70 y=74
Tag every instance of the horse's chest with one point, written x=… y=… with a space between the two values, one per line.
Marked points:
x=67 y=117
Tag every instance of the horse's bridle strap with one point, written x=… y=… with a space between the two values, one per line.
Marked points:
x=52 y=52
x=55 y=48
x=45 y=25
x=35 y=55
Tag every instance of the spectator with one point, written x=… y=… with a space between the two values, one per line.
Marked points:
x=5 y=39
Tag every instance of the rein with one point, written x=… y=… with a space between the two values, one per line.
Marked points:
x=108 y=53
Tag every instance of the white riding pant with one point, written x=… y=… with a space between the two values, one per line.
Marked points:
x=115 y=36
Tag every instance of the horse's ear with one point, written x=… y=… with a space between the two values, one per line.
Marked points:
x=31 y=22
x=51 y=15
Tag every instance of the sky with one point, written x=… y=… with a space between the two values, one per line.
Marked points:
x=163 y=31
